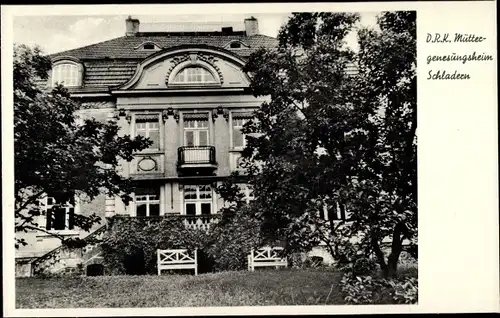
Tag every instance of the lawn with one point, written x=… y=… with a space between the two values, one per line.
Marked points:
x=260 y=288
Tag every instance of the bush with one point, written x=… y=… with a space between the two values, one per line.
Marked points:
x=130 y=246
x=232 y=239
x=301 y=261
x=355 y=263
x=368 y=290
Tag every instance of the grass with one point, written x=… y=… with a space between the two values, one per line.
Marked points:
x=260 y=288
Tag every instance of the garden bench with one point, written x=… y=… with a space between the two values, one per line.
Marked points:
x=177 y=259
x=264 y=257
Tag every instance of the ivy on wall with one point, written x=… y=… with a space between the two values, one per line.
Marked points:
x=130 y=244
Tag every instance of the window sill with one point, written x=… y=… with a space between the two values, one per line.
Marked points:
x=194 y=85
x=59 y=232
x=236 y=150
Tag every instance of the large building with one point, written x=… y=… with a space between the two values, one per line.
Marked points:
x=187 y=92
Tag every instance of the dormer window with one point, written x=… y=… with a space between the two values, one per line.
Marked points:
x=67 y=74
x=148 y=46
x=194 y=75
x=235 y=45
x=194 y=70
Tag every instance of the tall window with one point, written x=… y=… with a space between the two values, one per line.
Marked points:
x=149 y=128
x=147 y=201
x=336 y=213
x=66 y=74
x=58 y=216
x=198 y=199
x=247 y=191
x=194 y=75
x=239 y=141
x=196 y=132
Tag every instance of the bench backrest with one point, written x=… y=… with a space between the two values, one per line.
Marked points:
x=267 y=254
x=178 y=256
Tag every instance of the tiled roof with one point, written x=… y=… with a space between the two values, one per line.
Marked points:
x=124 y=47
x=108 y=73
x=113 y=62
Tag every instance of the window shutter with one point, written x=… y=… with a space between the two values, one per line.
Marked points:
x=342 y=211
x=48 y=215
x=71 y=218
x=80 y=76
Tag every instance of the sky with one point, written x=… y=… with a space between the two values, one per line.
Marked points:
x=58 y=33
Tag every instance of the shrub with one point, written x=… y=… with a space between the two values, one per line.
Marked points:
x=299 y=260
x=368 y=290
x=355 y=263
x=232 y=239
x=130 y=246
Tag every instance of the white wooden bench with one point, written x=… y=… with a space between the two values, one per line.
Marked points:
x=177 y=259
x=266 y=256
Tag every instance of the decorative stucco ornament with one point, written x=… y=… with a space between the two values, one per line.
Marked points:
x=147 y=164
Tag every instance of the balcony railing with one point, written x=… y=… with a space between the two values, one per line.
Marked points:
x=202 y=222
x=196 y=155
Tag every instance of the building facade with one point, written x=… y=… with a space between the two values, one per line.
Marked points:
x=187 y=92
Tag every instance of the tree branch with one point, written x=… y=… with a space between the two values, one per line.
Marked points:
x=30 y=200
x=45 y=231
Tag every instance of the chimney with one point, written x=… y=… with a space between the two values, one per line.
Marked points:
x=251 y=26
x=227 y=30
x=132 y=26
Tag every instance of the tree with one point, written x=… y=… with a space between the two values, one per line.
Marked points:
x=54 y=155
x=337 y=140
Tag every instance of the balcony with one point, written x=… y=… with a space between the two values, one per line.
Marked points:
x=196 y=159
x=201 y=222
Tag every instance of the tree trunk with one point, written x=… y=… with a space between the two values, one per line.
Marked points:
x=392 y=266
x=378 y=252
x=335 y=250
x=397 y=246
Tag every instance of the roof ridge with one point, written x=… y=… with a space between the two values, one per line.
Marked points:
x=267 y=36
x=125 y=47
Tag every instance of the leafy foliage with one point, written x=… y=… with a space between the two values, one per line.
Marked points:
x=130 y=244
x=368 y=290
x=232 y=241
x=237 y=233
x=54 y=155
x=332 y=138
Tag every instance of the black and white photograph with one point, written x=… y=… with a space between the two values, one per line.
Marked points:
x=215 y=159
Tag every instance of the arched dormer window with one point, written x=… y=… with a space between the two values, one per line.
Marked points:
x=194 y=75
x=67 y=73
x=194 y=69
x=148 y=46
x=236 y=45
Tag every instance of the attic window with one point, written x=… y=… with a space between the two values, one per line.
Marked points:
x=67 y=74
x=194 y=75
x=235 y=45
x=148 y=46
